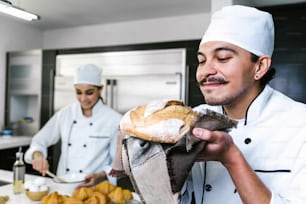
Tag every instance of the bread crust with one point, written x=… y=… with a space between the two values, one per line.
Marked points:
x=164 y=122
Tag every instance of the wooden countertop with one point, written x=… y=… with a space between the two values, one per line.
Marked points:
x=14 y=141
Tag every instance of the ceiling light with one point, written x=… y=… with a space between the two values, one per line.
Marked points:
x=7 y=8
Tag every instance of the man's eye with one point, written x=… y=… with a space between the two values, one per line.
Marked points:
x=223 y=59
x=201 y=61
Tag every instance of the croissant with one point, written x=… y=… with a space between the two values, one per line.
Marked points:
x=97 y=198
x=82 y=193
x=120 y=196
x=127 y=194
x=116 y=196
x=73 y=200
x=54 y=198
x=104 y=187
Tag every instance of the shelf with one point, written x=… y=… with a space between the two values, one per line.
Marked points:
x=24 y=89
x=24 y=93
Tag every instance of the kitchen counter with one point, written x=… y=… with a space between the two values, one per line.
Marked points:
x=7 y=176
x=14 y=141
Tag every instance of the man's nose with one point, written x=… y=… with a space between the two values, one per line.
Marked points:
x=205 y=70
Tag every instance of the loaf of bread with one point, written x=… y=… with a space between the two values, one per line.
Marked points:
x=164 y=121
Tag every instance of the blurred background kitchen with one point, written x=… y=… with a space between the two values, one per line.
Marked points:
x=146 y=48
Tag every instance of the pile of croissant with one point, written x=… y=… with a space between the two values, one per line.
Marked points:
x=102 y=193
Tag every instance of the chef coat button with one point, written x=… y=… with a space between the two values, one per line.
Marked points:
x=84 y=145
x=69 y=144
x=67 y=170
x=247 y=141
x=81 y=171
x=90 y=124
x=208 y=187
x=74 y=122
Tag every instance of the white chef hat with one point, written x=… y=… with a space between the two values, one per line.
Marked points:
x=88 y=74
x=245 y=27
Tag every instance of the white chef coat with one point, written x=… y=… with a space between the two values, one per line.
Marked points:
x=272 y=139
x=88 y=144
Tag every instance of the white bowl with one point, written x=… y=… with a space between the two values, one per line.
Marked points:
x=72 y=181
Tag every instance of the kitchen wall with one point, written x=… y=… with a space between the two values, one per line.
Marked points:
x=133 y=32
x=14 y=35
x=18 y=35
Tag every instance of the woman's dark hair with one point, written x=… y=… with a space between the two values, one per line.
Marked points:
x=268 y=76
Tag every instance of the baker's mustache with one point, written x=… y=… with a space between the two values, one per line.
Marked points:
x=212 y=79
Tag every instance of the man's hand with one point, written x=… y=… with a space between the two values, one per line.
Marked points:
x=219 y=145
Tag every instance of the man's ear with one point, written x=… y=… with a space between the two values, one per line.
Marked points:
x=263 y=65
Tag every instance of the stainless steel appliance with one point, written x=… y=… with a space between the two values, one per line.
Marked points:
x=130 y=78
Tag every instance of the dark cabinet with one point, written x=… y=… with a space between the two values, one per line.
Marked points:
x=8 y=157
x=289 y=51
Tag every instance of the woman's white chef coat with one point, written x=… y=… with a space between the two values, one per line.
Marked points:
x=272 y=138
x=88 y=145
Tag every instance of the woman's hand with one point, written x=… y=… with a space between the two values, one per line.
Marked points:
x=91 y=179
x=39 y=163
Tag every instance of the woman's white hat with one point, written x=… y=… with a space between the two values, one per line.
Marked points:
x=88 y=74
x=245 y=27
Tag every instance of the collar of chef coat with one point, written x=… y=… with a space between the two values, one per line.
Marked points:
x=257 y=106
x=254 y=110
x=95 y=109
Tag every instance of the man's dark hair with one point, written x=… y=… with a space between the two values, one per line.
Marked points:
x=268 y=76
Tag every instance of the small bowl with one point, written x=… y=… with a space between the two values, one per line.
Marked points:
x=72 y=181
x=36 y=196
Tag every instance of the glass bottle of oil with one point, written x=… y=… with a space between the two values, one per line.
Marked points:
x=18 y=173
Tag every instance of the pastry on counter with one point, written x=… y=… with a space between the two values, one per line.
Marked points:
x=105 y=187
x=120 y=196
x=82 y=193
x=73 y=200
x=4 y=199
x=97 y=198
x=92 y=195
x=54 y=198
